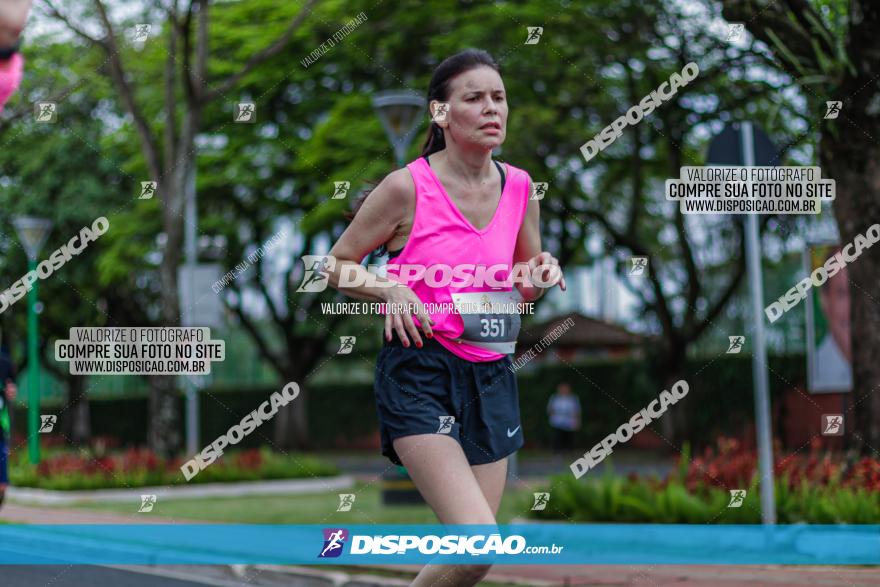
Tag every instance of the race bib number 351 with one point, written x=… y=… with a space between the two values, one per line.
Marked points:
x=491 y=319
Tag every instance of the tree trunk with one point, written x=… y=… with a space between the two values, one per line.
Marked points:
x=291 y=423
x=78 y=427
x=673 y=422
x=850 y=154
x=164 y=425
x=853 y=160
x=301 y=438
x=165 y=421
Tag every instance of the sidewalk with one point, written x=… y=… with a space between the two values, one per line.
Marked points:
x=532 y=465
x=195 y=491
x=690 y=576
x=534 y=575
x=22 y=514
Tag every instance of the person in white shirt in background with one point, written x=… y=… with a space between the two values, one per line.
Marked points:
x=564 y=409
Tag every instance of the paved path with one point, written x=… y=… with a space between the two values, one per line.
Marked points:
x=681 y=575
x=80 y=575
x=694 y=576
x=534 y=575
x=194 y=491
x=531 y=465
x=24 y=514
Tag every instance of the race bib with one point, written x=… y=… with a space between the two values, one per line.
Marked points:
x=491 y=319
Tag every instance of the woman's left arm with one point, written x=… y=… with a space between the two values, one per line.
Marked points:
x=528 y=251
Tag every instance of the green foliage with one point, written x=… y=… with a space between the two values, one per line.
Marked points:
x=611 y=391
x=315 y=125
x=561 y=91
x=614 y=499
x=231 y=467
x=63 y=172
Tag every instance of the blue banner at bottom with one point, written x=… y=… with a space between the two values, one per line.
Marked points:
x=528 y=544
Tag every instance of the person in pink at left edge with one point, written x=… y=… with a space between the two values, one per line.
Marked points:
x=13 y=15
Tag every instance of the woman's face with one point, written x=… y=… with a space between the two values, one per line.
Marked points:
x=12 y=19
x=477 y=109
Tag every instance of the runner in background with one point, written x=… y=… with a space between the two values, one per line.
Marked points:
x=8 y=391
x=13 y=15
x=564 y=409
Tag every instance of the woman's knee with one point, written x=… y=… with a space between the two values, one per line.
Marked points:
x=474 y=573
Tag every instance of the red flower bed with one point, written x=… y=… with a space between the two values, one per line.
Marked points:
x=249 y=459
x=865 y=473
x=129 y=461
x=68 y=464
x=135 y=459
x=729 y=464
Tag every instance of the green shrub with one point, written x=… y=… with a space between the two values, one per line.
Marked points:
x=634 y=500
x=67 y=470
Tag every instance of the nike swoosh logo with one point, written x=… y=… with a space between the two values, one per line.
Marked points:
x=510 y=434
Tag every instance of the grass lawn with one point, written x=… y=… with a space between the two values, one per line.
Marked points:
x=313 y=508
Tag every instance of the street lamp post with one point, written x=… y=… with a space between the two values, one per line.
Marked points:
x=33 y=232
x=748 y=146
x=400 y=112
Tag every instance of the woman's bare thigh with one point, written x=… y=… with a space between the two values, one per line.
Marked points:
x=438 y=467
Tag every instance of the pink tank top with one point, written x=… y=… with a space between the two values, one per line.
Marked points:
x=442 y=237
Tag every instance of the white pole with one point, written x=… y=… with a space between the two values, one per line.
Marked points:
x=759 y=353
x=191 y=253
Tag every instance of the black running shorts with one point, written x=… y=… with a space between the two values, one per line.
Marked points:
x=430 y=390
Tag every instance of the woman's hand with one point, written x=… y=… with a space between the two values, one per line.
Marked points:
x=550 y=272
x=400 y=301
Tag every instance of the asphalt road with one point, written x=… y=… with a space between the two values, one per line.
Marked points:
x=89 y=575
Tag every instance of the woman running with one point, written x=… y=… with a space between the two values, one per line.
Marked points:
x=448 y=405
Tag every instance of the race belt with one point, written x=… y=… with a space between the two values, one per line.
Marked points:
x=491 y=319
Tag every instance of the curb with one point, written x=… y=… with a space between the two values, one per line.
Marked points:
x=196 y=491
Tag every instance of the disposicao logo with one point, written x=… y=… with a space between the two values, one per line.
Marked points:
x=334 y=541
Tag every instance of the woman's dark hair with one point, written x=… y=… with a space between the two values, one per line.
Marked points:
x=438 y=90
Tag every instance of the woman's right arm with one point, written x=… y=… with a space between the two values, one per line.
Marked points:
x=385 y=209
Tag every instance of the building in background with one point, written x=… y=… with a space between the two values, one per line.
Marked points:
x=586 y=338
